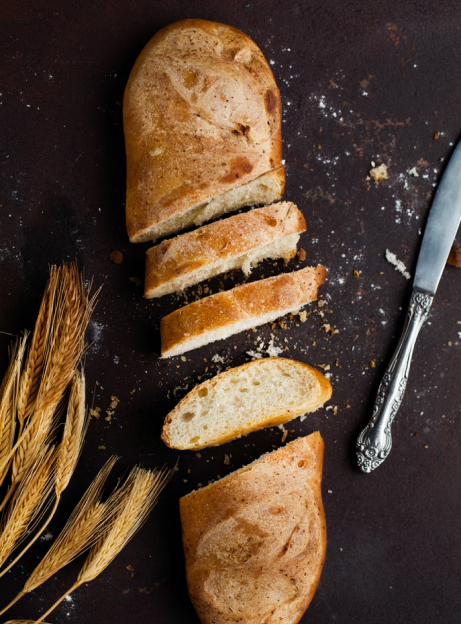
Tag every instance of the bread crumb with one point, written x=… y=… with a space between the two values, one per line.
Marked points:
x=379 y=173
x=102 y=447
x=95 y=412
x=136 y=280
x=301 y=254
x=226 y=460
x=372 y=363
x=284 y=436
x=303 y=316
x=454 y=257
x=199 y=455
x=413 y=172
x=116 y=257
x=436 y=136
x=357 y=273
x=398 y=264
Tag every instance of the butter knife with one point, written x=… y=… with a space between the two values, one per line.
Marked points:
x=374 y=442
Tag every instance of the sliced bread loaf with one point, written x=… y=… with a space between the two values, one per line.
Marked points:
x=202 y=118
x=226 y=313
x=240 y=241
x=256 y=395
x=255 y=542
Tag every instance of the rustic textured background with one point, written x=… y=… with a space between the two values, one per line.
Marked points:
x=360 y=82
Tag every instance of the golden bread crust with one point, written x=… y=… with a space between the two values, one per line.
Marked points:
x=219 y=241
x=202 y=115
x=323 y=395
x=255 y=541
x=256 y=299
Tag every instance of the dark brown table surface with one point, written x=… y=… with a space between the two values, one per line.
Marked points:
x=360 y=82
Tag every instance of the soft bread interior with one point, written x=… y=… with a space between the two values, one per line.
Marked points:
x=283 y=248
x=266 y=189
x=269 y=392
x=229 y=330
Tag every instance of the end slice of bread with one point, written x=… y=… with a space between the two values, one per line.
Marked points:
x=266 y=189
x=255 y=541
x=227 y=313
x=240 y=241
x=259 y=394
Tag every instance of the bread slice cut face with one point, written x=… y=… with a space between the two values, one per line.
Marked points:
x=255 y=541
x=263 y=393
x=236 y=310
x=237 y=242
x=202 y=122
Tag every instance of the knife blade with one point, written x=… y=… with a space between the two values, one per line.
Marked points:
x=441 y=228
x=374 y=443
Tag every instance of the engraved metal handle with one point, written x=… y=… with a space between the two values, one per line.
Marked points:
x=375 y=441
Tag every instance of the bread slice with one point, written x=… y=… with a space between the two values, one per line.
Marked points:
x=240 y=241
x=227 y=313
x=202 y=120
x=259 y=394
x=255 y=542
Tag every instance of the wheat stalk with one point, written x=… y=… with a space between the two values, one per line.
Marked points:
x=32 y=373
x=21 y=622
x=8 y=401
x=82 y=529
x=67 y=454
x=27 y=503
x=71 y=313
x=137 y=498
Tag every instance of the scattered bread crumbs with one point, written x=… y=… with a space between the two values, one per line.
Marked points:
x=454 y=257
x=398 y=264
x=284 y=436
x=379 y=173
x=372 y=363
x=136 y=280
x=303 y=316
x=102 y=447
x=116 y=257
x=95 y=412
x=226 y=460
x=357 y=273
x=301 y=254
x=113 y=404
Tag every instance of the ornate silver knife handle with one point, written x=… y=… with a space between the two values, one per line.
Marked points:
x=375 y=441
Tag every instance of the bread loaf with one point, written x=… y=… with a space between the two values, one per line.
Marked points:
x=255 y=541
x=240 y=241
x=259 y=394
x=227 y=313
x=202 y=121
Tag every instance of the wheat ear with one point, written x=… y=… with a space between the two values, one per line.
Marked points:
x=26 y=506
x=8 y=401
x=67 y=454
x=139 y=495
x=65 y=345
x=82 y=529
x=32 y=373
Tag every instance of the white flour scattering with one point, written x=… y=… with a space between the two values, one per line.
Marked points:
x=271 y=350
x=398 y=264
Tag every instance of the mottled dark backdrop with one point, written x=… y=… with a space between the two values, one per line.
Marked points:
x=361 y=82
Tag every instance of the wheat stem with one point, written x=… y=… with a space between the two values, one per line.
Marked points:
x=136 y=499
x=57 y=603
x=82 y=529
